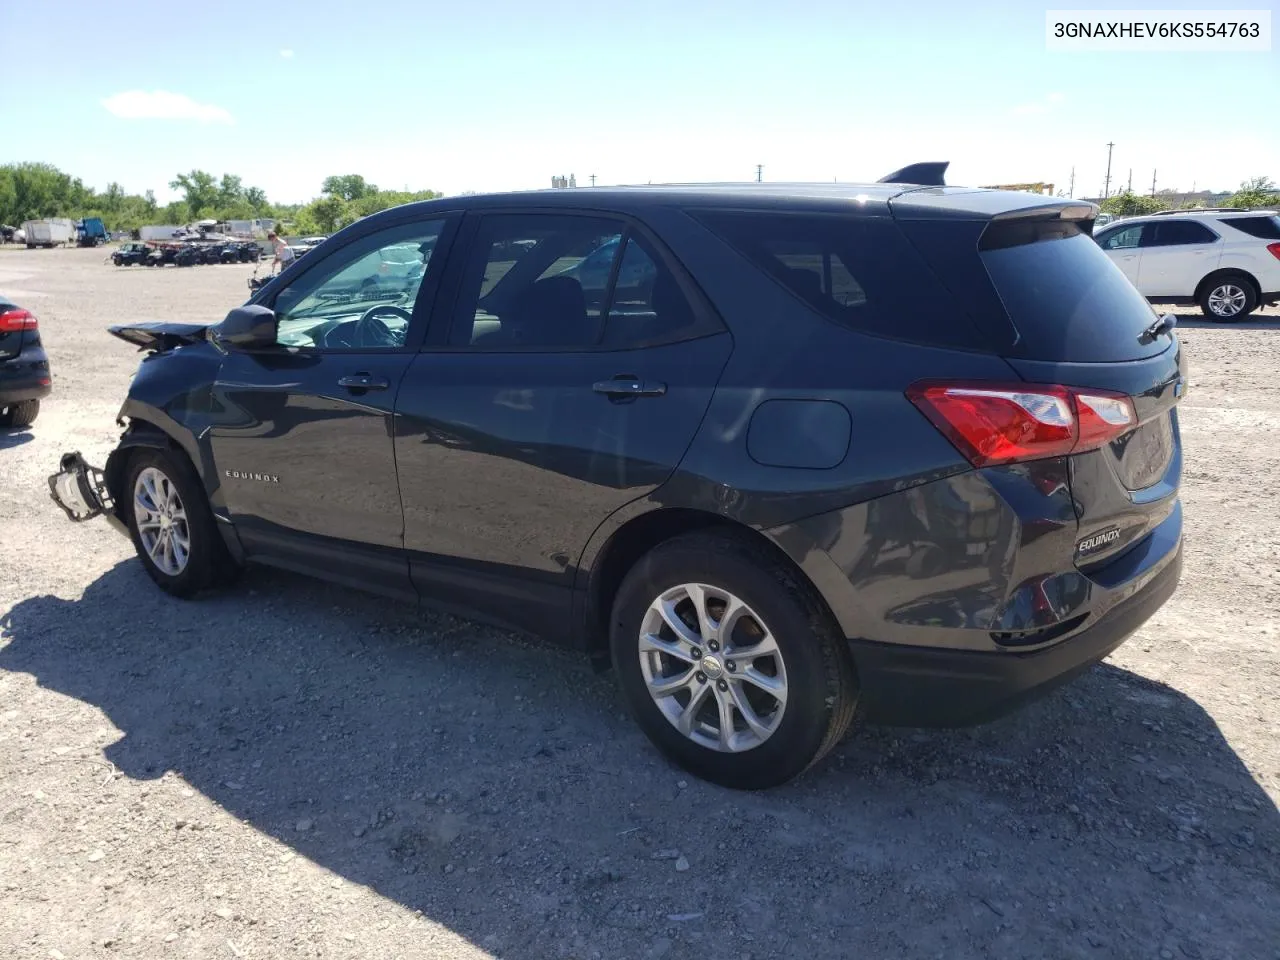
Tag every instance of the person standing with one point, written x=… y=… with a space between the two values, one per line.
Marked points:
x=283 y=257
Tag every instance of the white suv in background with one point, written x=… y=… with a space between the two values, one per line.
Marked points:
x=1226 y=261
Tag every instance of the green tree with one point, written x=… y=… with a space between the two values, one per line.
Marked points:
x=349 y=186
x=1257 y=192
x=328 y=213
x=256 y=197
x=1128 y=204
x=199 y=189
x=230 y=191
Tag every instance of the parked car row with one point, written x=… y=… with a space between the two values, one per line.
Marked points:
x=137 y=253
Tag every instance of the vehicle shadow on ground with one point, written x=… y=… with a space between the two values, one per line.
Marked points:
x=494 y=786
x=14 y=438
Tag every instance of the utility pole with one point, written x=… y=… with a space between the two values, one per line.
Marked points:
x=1071 y=189
x=593 y=179
x=1153 y=183
x=1106 y=184
x=759 y=171
x=1130 y=188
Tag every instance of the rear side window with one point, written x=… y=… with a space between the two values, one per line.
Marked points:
x=542 y=281
x=1173 y=233
x=861 y=273
x=1264 y=228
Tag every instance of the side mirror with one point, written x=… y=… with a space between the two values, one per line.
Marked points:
x=251 y=327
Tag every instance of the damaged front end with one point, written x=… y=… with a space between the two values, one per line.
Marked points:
x=83 y=491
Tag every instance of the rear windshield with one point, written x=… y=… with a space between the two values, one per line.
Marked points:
x=1264 y=228
x=861 y=273
x=1043 y=288
x=1065 y=297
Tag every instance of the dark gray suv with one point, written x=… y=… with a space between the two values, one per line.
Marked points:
x=898 y=451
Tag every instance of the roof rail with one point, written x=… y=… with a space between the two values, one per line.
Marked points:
x=927 y=174
x=1168 y=213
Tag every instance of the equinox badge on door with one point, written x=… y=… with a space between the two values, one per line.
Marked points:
x=246 y=475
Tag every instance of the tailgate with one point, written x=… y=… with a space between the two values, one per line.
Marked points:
x=1123 y=490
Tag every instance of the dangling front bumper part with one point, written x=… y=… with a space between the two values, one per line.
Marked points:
x=80 y=489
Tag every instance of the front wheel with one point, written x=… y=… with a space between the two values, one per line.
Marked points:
x=172 y=526
x=1228 y=298
x=729 y=663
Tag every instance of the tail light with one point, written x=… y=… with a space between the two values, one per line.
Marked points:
x=12 y=321
x=1274 y=250
x=993 y=423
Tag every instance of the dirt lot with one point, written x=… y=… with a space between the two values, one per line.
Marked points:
x=287 y=770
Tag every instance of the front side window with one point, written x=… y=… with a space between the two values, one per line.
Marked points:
x=1124 y=239
x=362 y=297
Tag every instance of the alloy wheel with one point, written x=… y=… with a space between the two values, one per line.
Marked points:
x=161 y=519
x=712 y=667
x=1227 y=299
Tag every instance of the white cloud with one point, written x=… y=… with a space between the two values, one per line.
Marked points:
x=163 y=105
x=1056 y=97
x=286 y=53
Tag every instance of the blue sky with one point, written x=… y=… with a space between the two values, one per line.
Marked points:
x=503 y=95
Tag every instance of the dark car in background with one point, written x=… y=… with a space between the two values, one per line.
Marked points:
x=24 y=368
x=785 y=456
x=138 y=254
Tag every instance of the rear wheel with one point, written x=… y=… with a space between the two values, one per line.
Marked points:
x=20 y=414
x=172 y=526
x=1228 y=297
x=729 y=663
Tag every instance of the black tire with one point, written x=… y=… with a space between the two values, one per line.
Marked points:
x=1215 y=286
x=208 y=562
x=20 y=414
x=822 y=689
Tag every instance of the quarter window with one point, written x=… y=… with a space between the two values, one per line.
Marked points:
x=362 y=297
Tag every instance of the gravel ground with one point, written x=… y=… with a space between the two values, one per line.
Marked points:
x=287 y=770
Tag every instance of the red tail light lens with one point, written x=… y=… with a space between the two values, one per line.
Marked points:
x=994 y=423
x=11 y=321
x=1274 y=250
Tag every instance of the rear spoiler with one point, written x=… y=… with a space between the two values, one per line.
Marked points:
x=160 y=335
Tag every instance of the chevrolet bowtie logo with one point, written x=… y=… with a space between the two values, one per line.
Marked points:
x=246 y=475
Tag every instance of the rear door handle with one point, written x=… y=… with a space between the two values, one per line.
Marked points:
x=629 y=387
x=363 y=381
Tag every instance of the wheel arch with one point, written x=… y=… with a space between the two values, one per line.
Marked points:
x=616 y=552
x=1221 y=274
x=143 y=433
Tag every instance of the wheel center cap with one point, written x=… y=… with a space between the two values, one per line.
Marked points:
x=712 y=667
x=165 y=522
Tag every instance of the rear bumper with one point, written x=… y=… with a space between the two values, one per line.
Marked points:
x=24 y=377
x=934 y=687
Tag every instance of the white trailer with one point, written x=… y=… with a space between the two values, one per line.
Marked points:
x=50 y=232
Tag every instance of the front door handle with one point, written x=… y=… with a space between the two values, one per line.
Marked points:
x=626 y=386
x=363 y=381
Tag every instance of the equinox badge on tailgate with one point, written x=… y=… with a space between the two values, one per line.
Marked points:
x=1096 y=542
